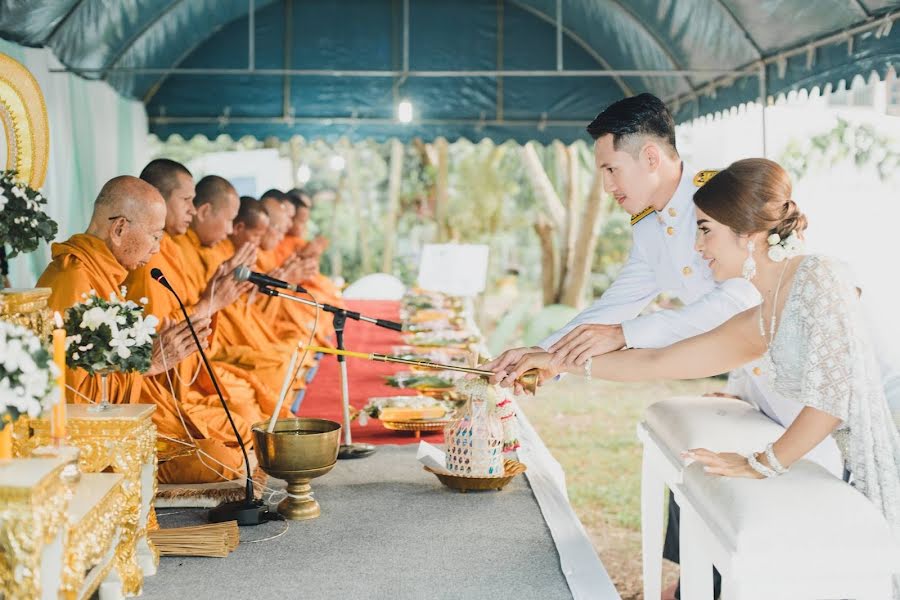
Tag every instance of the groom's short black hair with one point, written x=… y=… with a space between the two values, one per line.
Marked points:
x=644 y=114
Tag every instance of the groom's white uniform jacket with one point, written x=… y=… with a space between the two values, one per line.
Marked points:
x=663 y=259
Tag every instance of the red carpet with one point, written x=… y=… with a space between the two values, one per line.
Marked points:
x=366 y=377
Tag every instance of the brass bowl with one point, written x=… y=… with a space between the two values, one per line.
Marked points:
x=297 y=451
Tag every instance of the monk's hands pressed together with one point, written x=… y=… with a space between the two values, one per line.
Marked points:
x=586 y=341
x=245 y=255
x=724 y=464
x=221 y=291
x=174 y=343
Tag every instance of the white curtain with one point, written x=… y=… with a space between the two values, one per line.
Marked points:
x=95 y=134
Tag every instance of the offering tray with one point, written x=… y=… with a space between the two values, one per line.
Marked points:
x=464 y=483
x=417 y=426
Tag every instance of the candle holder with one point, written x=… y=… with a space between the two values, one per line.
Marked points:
x=104 y=403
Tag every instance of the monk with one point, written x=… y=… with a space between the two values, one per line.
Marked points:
x=191 y=383
x=242 y=336
x=124 y=233
x=295 y=243
x=293 y=320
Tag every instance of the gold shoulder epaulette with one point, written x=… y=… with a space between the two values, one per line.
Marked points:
x=704 y=176
x=641 y=215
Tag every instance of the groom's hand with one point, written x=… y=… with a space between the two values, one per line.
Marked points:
x=510 y=358
x=586 y=341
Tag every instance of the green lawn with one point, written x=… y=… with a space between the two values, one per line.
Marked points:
x=590 y=429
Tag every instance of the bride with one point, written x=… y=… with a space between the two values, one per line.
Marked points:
x=809 y=329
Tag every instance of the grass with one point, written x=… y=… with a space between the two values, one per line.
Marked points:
x=590 y=429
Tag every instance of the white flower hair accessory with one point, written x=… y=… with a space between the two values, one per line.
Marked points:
x=780 y=249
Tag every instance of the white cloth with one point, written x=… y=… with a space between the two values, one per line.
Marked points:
x=663 y=259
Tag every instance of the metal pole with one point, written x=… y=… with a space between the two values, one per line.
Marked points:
x=251 y=35
x=418 y=73
x=286 y=62
x=559 y=36
x=405 y=36
x=763 y=95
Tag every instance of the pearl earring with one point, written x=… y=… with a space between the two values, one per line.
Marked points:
x=749 y=269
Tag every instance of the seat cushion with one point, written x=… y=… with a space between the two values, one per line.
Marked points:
x=718 y=424
x=803 y=523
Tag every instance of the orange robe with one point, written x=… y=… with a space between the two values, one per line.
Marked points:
x=242 y=336
x=322 y=287
x=84 y=263
x=194 y=388
x=293 y=321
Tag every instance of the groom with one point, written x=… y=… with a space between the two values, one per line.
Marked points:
x=635 y=148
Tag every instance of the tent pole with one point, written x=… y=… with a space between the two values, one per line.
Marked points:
x=559 y=37
x=763 y=96
x=251 y=36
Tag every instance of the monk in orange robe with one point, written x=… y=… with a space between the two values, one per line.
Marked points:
x=293 y=319
x=124 y=233
x=242 y=336
x=191 y=382
x=295 y=243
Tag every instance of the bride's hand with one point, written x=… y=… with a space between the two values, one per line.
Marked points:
x=724 y=464
x=542 y=361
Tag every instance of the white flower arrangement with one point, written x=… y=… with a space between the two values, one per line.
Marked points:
x=27 y=373
x=781 y=249
x=109 y=335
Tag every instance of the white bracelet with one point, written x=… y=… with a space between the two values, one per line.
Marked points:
x=759 y=467
x=773 y=460
x=588 y=364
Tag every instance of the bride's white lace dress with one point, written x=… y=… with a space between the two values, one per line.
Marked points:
x=822 y=357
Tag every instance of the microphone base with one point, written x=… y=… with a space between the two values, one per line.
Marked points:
x=244 y=512
x=347 y=451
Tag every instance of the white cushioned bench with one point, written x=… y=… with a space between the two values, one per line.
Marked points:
x=672 y=426
x=806 y=534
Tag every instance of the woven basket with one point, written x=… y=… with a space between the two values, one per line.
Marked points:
x=511 y=468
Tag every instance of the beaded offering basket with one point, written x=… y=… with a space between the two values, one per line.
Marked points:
x=475 y=439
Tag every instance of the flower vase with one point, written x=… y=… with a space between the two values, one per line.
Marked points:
x=104 y=403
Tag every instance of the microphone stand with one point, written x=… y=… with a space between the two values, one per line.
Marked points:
x=248 y=511
x=340 y=315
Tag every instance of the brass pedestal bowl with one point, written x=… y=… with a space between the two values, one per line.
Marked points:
x=298 y=450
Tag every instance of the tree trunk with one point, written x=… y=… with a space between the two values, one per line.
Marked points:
x=390 y=223
x=295 y=146
x=546 y=234
x=543 y=186
x=440 y=193
x=569 y=163
x=362 y=212
x=337 y=262
x=595 y=209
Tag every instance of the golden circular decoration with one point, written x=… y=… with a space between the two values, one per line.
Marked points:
x=24 y=117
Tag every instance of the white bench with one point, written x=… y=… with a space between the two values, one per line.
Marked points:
x=806 y=534
x=672 y=426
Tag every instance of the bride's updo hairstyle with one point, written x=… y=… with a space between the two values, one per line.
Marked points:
x=750 y=196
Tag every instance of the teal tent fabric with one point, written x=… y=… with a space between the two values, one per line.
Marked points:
x=796 y=43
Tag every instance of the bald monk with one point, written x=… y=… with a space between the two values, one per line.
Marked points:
x=242 y=335
x=124 y=233
x=295 y=243
x=191 y=383
x=293 y=320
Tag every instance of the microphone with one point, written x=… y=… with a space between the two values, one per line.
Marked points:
x=243 y=273
x=248 y=511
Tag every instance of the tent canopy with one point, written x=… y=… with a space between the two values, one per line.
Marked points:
x=520 y=69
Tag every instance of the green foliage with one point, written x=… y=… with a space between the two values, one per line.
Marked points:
x=23 y=222
x=859 y=143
